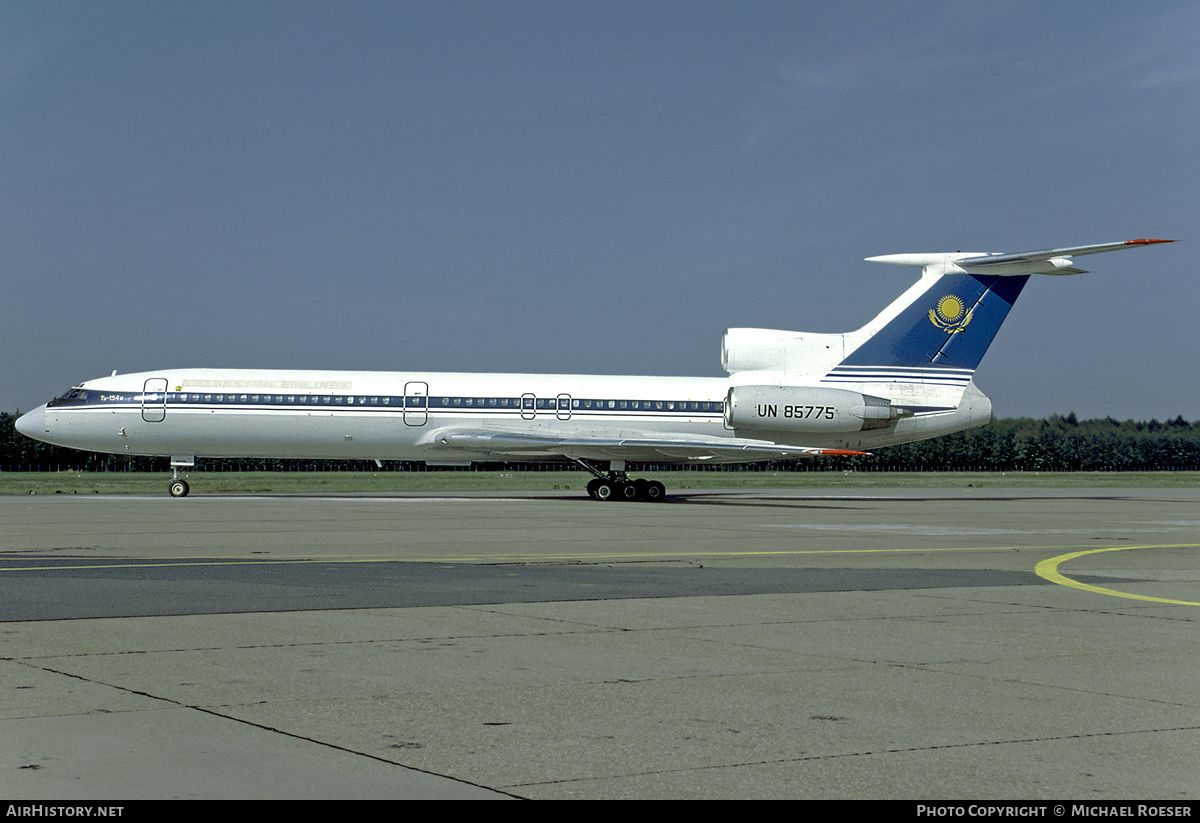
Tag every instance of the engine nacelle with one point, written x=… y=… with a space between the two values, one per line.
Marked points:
x=792 y=352
x=807 y=409
x=754 y=349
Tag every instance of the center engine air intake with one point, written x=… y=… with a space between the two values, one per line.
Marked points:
x=807 y=409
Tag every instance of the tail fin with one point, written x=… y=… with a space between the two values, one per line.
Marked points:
x=936 y=333
x=950 y=324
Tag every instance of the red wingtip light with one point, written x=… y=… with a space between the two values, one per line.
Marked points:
x=1145 y=242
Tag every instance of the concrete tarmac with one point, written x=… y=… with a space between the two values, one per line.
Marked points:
x=891 y=643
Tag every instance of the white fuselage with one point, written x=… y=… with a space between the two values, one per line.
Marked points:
x=416 y=416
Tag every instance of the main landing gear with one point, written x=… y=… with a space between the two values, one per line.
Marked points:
x=616 y=486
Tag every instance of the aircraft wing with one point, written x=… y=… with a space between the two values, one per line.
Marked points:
x=640 y=448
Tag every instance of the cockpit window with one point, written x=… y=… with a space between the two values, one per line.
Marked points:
x=75 y=395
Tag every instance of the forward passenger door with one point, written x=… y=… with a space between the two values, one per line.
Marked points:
x=416 y=403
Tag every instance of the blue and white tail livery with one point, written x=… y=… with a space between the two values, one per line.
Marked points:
x=906 y=375
x=921 y=351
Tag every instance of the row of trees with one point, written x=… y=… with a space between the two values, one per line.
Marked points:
x=1016 y=444
x=1052 y=444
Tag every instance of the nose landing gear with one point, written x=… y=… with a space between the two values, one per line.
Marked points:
x=178 y=487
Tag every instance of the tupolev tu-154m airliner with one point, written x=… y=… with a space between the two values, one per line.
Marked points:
x=906 y=375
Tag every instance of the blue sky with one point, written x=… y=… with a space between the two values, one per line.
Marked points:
x=589 y=187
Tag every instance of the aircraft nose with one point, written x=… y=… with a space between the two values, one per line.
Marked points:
x=33 y=424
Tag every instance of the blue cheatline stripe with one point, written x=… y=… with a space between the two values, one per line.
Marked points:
x=395 y=404
x=876 y=374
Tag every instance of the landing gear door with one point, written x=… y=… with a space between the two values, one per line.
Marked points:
x=416 y=403
x=154 y=400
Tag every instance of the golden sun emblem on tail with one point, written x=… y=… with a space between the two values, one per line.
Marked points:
x=950 y=315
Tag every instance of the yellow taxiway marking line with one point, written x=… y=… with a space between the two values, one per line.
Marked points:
x=1048 y=569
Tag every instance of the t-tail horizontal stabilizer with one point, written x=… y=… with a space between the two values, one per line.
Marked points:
x=923 y=349
x=1048 y=261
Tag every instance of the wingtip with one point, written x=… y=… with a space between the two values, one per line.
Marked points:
x=1145 y=242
